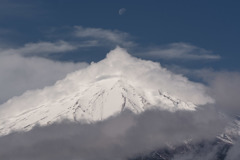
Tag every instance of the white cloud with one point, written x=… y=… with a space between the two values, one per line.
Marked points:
x=21 y=69
x=140 y=73
x=151 y=74
x=44 y=49
x=105 y=36
x=182 y=51
x=19 y=74
x=223 y=86
x=41 y=48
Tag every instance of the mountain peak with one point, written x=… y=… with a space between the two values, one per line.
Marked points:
x=118 y=54
x=102 y=90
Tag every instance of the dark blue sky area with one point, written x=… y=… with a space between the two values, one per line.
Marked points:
x=211 y=25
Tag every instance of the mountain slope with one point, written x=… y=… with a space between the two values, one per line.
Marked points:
x=102 y=90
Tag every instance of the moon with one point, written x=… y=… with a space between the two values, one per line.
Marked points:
x=122 y=11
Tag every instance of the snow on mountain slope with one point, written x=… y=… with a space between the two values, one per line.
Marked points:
x=103 y=89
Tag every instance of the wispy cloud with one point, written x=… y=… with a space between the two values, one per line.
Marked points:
x=44 y=48
x=41 y=48
x=183 y=51
x=105 y=36
x=77 y=37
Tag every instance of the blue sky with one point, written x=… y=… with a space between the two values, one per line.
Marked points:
x=209 y=25
x=41 y=40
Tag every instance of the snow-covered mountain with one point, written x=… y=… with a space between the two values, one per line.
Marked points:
x=102 y=90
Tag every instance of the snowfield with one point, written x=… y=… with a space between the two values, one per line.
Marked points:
x=102 y=90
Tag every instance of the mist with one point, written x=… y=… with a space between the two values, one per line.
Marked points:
x=120 y=137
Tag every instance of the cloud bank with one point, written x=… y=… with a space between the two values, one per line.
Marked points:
x=121 y=137
x=223 y=86
x=19 y=74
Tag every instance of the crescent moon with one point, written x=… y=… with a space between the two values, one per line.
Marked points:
x=122 y=11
